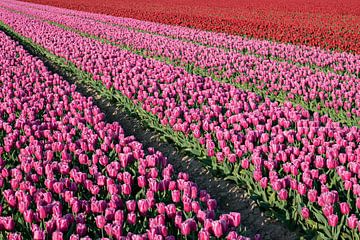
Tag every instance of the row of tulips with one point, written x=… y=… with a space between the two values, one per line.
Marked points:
x=305 y=55
x=67 y=174
x=330 y=93
x=304 y=164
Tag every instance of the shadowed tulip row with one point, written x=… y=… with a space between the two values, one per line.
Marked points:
x=305 y=164
x=327 y=93
x=302 y=54
x=67 y=174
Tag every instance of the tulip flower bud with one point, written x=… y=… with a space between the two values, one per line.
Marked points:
x=57 y=235
x=81 y=229
x=39 y=235
x=7 y=223
x=116 y=231
x=143 y=206
x=333 y=220
x=218 y=228
x=29 y=215
x=195 y=206
x=42 y=212
x=131 y=218
x=305 y=213
x=62 y=224
x=352 y=221
x=100 y=221
x=175 y=195
x=170 y=210
x=119 y=216
x=141 y=181
x=126 y=189
x=203 y=235
x=131 y=205
x=264 y=182
x=301 y=189
x=245 y=164
x=211 y=204
x=14 y=236
x=328 y=209
x=344 y=208
x=108 y=229
x=236 y=219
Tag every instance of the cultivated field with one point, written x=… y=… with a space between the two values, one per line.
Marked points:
x=98 y=113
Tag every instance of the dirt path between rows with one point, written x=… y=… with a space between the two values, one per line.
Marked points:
x=229 y=196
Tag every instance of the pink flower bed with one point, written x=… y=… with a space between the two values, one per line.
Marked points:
x=304 y=163
x=67 y=174
x=328 y=92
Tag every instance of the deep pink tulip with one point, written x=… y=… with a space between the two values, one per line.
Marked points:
x=100 y=221
x=333 y=220
x=305 y=212
x=352 y=221
x=344 y=208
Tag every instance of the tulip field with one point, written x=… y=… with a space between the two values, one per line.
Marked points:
x=67 y=174
x=279 y=120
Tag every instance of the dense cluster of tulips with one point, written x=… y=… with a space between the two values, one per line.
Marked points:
x=67 y=174
x=325 y=92
x=301 y=54
x=303 y=163
x=326 y=24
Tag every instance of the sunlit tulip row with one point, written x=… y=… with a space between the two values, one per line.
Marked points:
x=327 y=92
x=67 y=174
x=303 y=163
x=302 y=54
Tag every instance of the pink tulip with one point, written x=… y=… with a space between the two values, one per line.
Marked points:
x=283 y=194
x=100 y=221
x=333 y=220
x=131 y=218
x=305 y=213
x=312 y=195
x=219 y=228
x=344 y=208
x=352 y=221
x=57 y=235
x=38 y=235
x=203 y=235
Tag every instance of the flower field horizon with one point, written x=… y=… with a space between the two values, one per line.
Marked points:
x=326 y=24
x=278 y=119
